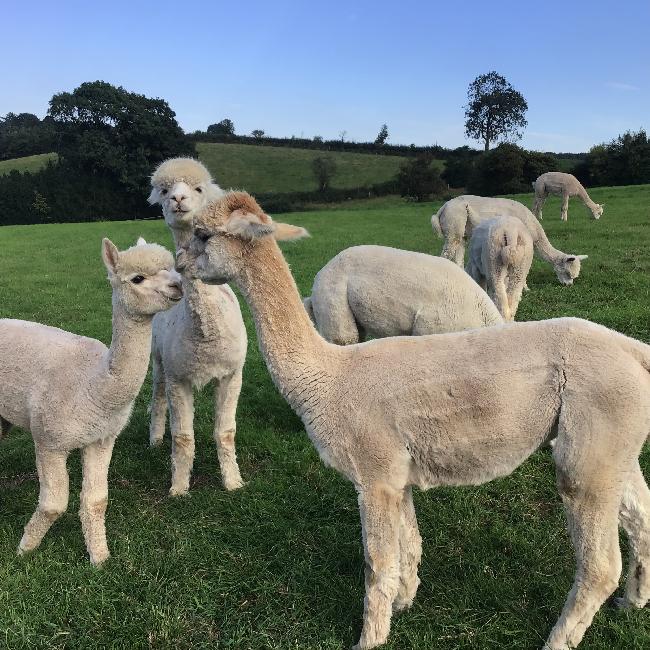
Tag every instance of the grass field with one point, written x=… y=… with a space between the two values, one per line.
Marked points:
x=279 y=563
x=282 y=169
x=26 y=164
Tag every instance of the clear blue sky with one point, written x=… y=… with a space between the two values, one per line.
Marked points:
x=307 y=68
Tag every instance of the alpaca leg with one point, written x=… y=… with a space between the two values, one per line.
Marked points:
x=158 y=406
x=634 y=517
x=380 y=521
x=336 y=322
x=539 y=204
x=497 y=291
x=94 y=498
x=410 y=553
x=52 y=500
x=181 y=419
x=226 y=396
x=514 y=291
x=565 y=207
x=592 y=514
x=454 y=250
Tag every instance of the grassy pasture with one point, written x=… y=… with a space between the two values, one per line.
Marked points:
x=283 y=169
x=27 y=163
x=279 y=563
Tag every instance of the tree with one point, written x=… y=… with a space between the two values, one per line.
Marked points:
x=419 y=180
x=23 y=134
x=382 y=136
x=110 y=132
x=494 y=110
x=324 y=168
x=258 y=134
x=225 y=127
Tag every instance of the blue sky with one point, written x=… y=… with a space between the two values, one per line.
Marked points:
x=319 y=68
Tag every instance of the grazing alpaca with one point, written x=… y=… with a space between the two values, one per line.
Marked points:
x=451 y=409
x=566 y=186
x=202 y=339
x=457 y=218
x=500 y=256
x=381 y=291
x=72 y=392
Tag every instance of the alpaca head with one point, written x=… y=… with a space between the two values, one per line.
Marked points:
x=597 y=211
x=567 y=268
x=183 y=187
x=226 y=233
x=143 y=277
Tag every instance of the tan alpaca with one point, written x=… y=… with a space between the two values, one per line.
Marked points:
x=201 y=340
x=451 y=409
x=72 y=392
x=566 y=186
x=500 y=256
x=458 y=217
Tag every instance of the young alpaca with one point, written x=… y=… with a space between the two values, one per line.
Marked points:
x=451 y=409
x=457 y=218
x=500 y=256
x=384 y=291
x=72 y=392
x=566 y=186
x=200 y=340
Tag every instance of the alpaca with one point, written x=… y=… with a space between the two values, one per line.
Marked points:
x=500 y=256
x=451 y=409
x=200 y=340
x=72 y=392
x=382 y=291
x=566 y=186
x=458 y=217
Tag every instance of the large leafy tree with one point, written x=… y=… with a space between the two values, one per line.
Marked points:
x=494 y=110
x=225 y=127
x=110 y=132
x=419 y=180
x=23 y=134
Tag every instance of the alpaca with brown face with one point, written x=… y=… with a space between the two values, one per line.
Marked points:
x=72 y=392
x=451 y=409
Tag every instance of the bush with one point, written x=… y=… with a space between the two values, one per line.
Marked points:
x=624 y=161
x=419 y=180
x=324 y=168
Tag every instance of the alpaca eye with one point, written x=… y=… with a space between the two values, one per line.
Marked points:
x=199 y=190
x=137 y=279
x=163 y=192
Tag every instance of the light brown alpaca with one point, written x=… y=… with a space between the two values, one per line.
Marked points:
x=451 y=409
x=566 y=186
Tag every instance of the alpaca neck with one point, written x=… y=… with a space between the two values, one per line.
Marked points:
x=586 y=199
x=181 y=235
x=299 y=360
x=542 y=245
x=205 y=306
x=124 y=366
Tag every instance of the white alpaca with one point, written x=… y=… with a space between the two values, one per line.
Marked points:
x=451 y=409
x=500 y=256
x=72 y=392
x=457 y=218
x=566 y=186
x=202 y=339
x=381 y=291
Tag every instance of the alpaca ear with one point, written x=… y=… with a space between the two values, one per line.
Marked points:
x=249 y=225
x=152 y=199
x=582 y=257
x=141 y=241
x=287 y=232
x=110 y=255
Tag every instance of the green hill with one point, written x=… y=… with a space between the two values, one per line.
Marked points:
x=282 y=169
x=26 y=164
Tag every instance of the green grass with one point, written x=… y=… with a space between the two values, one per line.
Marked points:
x=27 y=163
x=282 y=169
x=279 y=563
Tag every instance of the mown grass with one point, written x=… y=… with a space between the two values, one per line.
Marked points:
x=283 y=169
x=27 y=163
x=279 y=564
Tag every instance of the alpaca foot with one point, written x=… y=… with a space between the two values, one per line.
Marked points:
x=155 y=441
x=233 y=482
x=178 y=490
x=25 y=547
x=622 y=602
x=401 y=604
x=99 y=557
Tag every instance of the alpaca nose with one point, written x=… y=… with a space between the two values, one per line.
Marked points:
x=179 y=197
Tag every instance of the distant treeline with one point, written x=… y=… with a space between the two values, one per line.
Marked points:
x=108 y=141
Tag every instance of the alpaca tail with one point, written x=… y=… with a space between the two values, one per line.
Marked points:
x=309 y=308
x=513 y=249
x=435 y=223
